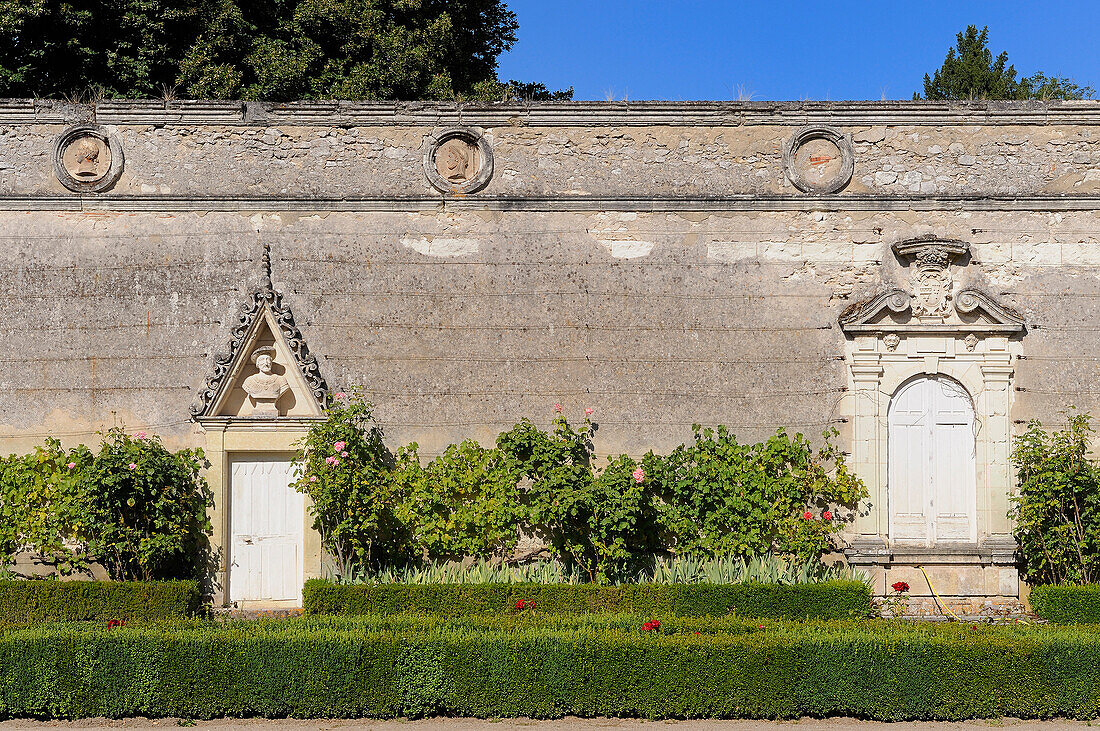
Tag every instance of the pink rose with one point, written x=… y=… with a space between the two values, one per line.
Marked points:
x=588 y=412
x=313 y=478
x=330 y=459
x=335 y=460
x=140 y=435
x=639 y=475
x=71 y=465
x=340 y=394
x=339 y=446
x=133 y=466
x=557 y=408
x=343 y=454
x=808 y=515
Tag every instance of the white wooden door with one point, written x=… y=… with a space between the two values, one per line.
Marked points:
x=267 y=518
x=931 y=467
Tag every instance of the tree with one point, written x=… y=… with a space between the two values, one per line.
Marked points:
x=971 y=72
x=275 y=50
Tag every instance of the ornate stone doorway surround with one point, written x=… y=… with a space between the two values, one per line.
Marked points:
x=932 y=327
x=263 y=394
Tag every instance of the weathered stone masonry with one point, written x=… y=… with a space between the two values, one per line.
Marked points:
x=652 y=261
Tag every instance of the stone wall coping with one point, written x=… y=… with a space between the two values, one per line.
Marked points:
x=548 y=114
x=154 y=202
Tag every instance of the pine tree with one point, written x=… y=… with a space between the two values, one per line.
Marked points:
x=971 y=72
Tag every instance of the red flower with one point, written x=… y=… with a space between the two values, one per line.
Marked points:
x=807 y=515
x=651 y=625
x=827 y=515
x=899 y=586
x=519 y=604
x=112 y=623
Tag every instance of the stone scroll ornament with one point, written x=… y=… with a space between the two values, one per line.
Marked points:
x=931 y=300
x=88 y=159
x=458 y=160
x=819 y=160
x=264 y=296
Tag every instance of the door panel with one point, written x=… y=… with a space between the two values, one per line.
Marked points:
x=931 y=462
x=267 y=525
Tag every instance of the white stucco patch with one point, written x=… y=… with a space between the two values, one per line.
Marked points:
x=443 y=247
x=627 y=249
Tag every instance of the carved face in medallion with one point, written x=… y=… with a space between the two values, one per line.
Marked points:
x=86 y=158
x=457 y=160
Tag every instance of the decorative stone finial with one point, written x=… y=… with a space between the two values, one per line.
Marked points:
x=265 y=282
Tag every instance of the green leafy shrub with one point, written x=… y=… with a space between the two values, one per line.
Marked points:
x=348 y=473
x=69 y=601
x=44 y=505
x=550 y=668
x=1057 y=508
x=466 y=502
x=149 y=507
x=603 y=523
x=723 y=498
x=825 y=600
x=135 y=507
x=377 y=511
x=1067 y=603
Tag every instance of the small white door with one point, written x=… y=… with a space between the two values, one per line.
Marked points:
x=931 y=465
x=267 y=518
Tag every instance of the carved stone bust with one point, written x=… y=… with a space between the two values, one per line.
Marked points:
x=265 y=388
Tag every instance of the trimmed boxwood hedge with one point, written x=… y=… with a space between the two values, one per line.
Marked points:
x=364 y=667
x=827 y=600
x=51 y=600
x=1067 y=604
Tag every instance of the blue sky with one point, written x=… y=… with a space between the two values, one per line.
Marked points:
x=841 y=49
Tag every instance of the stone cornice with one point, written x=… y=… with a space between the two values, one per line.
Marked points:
x=550 y=203
x=548 y=114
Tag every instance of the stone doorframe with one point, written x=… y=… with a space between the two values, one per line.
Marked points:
x=227 y=438
x=232 y=428
x=932 y=328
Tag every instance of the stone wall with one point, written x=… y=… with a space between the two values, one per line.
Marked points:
x=651 y=261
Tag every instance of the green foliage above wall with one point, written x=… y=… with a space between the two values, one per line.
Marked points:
x=971 y=72
x=259 y=49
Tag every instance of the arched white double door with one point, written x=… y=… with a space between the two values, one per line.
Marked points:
x=931 y=463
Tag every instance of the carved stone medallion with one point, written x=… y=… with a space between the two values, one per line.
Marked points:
x=458 y=161
x=819 y=160
x=87 y=159
x=891 y=340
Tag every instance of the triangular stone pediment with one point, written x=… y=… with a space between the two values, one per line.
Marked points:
x=268 y=371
